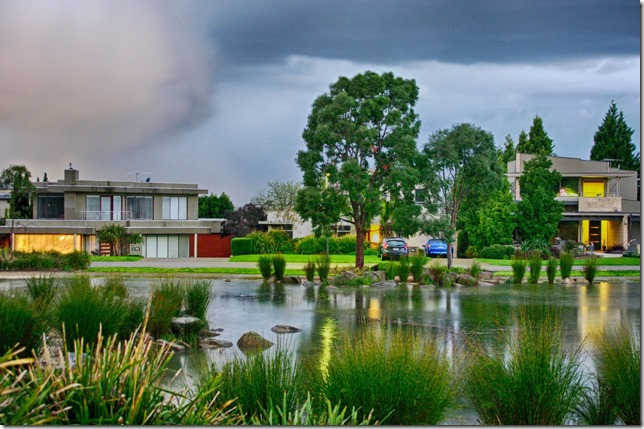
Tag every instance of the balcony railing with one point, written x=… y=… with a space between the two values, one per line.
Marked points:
x=106 y=215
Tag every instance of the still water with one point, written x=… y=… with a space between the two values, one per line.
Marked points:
x=454 y=314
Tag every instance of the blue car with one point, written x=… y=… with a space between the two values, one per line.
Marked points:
x=435 y=247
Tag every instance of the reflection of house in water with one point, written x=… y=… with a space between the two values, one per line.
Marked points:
x=597 y=314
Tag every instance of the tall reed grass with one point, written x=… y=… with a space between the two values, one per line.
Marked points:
x=323 y=264
x=20 y=324
x=535 y=267
x=279 y=265
x=618 y=361
x=166 y=302
x=391 y=270
x=438 y=273
x=403 y=378
x=309 y=270
x=418 y=262
x=551 y=269
x=404 y=268
x=475 y=270
x=518 y=269
x=566 y=261
x=532 y=380
x=265 y=265
x=591 y=266
x=197 y=298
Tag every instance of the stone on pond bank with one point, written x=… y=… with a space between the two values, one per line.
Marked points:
x=285 y=329
x=253 y=340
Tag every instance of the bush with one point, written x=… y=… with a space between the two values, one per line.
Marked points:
x=346 y=244
x=535 y=266
x=590 y=268
x=274 y=241
x=76 y=260
x=241 y=246
x=551 y=269
x=20 y=324
x=438 y=273
x=518 y=269
x=566 y=261
x=279 y=265
x=418 y=263
x=536 y=244
x=533 y=368
x=402 y=379
x=475 y=270
x=497 y=251
x=42 y=291
x=264 y=263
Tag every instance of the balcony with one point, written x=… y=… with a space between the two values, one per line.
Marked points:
x=598 y=203
x=106 y=215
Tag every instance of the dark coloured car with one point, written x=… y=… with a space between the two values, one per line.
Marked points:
x=393 y=248
x=435 y=247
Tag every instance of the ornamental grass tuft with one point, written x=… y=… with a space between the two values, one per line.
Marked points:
x=279 y=266
x=265 y=265
x=309 y=270
x=551 y=269
x=403 y=268
x=323 y=264
x=518 y=269
x=590 y=268
x=418 y=262
x=566 y=261
x=535 y=267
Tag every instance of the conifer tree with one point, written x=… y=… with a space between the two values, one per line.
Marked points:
x=613 y=141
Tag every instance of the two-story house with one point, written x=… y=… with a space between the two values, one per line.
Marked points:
x=67 y=214
x=601 y=202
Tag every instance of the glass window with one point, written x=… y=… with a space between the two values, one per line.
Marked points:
x=139 y=207
x=51 y=207
x=92 y=207
x=175 y=208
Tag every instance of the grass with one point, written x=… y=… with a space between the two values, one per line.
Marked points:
x=621 y=261
x=531 y=380
x=197 y=298
x=551 y=269
x=566 y=262
x=404 y=268
x=279 y=265
x=265 y=267
x=518 y=270
x=535 y=267
x=418 y=263
x=127 y=258
x=166 y=301
x=401 y=377
x=20 y=324
x=590 y=269
x=303 y=259
x=309 y=270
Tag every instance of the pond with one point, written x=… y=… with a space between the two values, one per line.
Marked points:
x=454 y=314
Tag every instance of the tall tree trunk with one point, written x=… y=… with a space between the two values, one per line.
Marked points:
x=360 y=233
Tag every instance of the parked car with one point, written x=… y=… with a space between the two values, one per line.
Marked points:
x=435 y=247
x=394 y=247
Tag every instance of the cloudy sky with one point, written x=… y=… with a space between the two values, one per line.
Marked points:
x=217 y=92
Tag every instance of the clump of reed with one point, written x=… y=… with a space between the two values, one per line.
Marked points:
x=84 y=310
x=535 y=267
x=403 y=268
x=265 y=265
x=532 y=380
x=551 y=269
x=597 y=406
x=566 y=261
x=42 y=290
x=391 y=270
x=618 y=361
x=418 y=262
x=20 y=324
x=309 y=270
x=166 y=302
x=590 y=268
x=518 y=269
x=279 y=266
x=475 y=270
x=197 y=298
x=438 y=273
x=323 y=264
x=403 y=378
x=259 y=382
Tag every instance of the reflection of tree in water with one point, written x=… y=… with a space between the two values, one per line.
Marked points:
x=264 y=292
x=323 y=294
x=309 y=294
x=279 y=293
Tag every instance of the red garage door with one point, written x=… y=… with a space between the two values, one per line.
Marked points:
x=211 y=245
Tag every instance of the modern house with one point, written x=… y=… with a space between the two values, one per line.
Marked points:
x=67 y=214
x=601 y=202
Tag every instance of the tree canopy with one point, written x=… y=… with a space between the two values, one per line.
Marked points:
x=244 y=220
x=538 y=211
x=536 y=141
x=279 y=197
x=462 y=165
x=360 y=151
x=613 y=141
x=213 y=206
x=17 y=178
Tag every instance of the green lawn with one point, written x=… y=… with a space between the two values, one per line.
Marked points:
x=156 y=270
x=129 y=258
x=579 y=262
x=335 y=259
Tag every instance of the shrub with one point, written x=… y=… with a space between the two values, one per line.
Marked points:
x=20 y=324
x=346 y=244
x=536 y=244
x=311 y=245
x=197 y=297
x=279 y=265
x=84 y=310
x=274 y=241
x=402 y=379
x=475 y=270
x=533 y=368
x=418 y=263
x=241 y=246
x=535 y=266
x=566 y=261
x=497 y=251
x=438 y=273
x=264 y=263
x=42 y=291
x=76 y=260
x=404 y=268
x=551 y=269
x=518 y=269
x=618 y=366
x=309 y=270
x=590 y=268
x=166 y=301
x=323 y=264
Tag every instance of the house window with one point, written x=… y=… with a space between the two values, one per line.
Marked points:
x=175 y=208
x=341 y=230
x=139 y=207
x=51 y=207
x=569 y=187
x=98 y=207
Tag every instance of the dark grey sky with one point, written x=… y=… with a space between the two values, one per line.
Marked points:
x=216 y=92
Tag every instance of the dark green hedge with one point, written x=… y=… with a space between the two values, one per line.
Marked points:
x=241 y=246
x=50 y=261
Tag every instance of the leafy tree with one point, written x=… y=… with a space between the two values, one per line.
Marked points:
x=244 y=220
x=509 y=151
x=536 y=141
x=538 y=211
x=495 y=220
x=360 y=151
x=462 y=165
x=213 y=206
x=279 y=197
x=17 y=178
x=613 y=141
x=118 y=237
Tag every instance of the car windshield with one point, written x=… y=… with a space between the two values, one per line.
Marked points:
x=435 y=242
x=395 y=243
